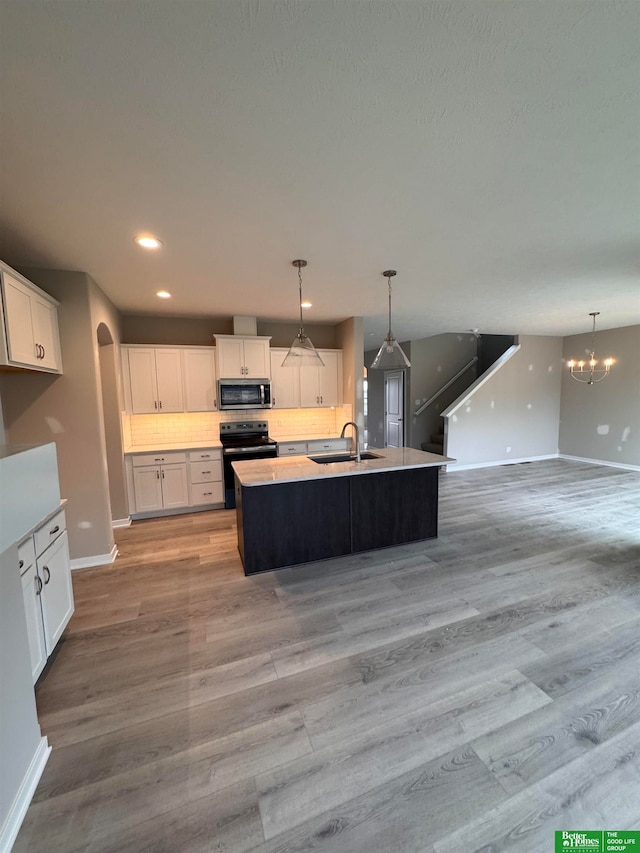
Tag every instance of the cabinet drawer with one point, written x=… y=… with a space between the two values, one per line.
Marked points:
x=206 y=472
x=327 y=445
x=292 y=448
x=203 y=455
x=49 y=532
x=142 y=459
x=206 y=493
x=26 y=555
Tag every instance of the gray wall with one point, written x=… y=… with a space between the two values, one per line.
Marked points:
x=602 y=421
x=67 y=409
x=198 y=331
x=515 y=414
x=434 y=361
x=375 y=402
x=350 y=339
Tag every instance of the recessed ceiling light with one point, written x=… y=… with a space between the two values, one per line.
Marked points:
x=305 y=304
x=148 y=241
x=163 y=294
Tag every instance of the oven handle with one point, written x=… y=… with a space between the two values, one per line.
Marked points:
x=228 y=451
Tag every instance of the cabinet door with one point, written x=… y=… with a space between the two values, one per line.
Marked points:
x=20 y=337
x=44 y=318
x=310 y=386
x=57 y=591
x=142 y=374
x=200 y=380
x=175 y=491
x=35 y=626
x=329 y=379
x=148 y=488
x=169 y=376
x=230 y=354
x=257 y=363
x=285 y=382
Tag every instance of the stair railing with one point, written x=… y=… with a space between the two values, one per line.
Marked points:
x=448 y=384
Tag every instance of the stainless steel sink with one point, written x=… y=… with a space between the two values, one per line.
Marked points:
x=327 y=458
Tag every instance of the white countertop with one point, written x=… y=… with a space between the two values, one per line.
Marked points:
x=164 y=446
x=316 y=436
x=291 y=469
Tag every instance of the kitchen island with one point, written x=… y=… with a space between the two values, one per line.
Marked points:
x=294 y=510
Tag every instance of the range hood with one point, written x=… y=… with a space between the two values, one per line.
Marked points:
x=245 y=326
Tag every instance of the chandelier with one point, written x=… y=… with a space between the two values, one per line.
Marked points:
x=390 y=354
x=588 y=371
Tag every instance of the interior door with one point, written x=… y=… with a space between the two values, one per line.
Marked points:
x=393 y=408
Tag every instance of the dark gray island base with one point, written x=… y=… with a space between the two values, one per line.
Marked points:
x=287 y=518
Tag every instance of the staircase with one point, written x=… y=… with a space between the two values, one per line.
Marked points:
x=436 y=442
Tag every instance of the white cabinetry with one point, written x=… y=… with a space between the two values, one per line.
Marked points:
x=46 y=588
x=30 y=323
x=205 y=474
x=200 y=380
x=155 y=377
x=306 y=387
x=321 y=386
x=160 y=481
x=243 y=357
x=314 y=445
x=285 y=382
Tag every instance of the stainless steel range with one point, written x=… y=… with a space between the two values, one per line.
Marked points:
x=243 y=440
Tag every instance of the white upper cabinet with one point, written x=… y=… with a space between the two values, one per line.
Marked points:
x=155 y=377
x=285 y=382
x=31 y=325
x=243 y=358
x=200 y=380
x=322 y=386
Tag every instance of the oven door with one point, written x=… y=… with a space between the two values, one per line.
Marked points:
x=241 y=394
x=235 y=454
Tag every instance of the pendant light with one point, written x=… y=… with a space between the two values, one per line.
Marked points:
x=301 y=352
x=390 y=354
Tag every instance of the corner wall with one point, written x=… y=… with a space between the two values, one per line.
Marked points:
x=602 y=421
x=67 y=409
x=515 y=414
x=350 y=339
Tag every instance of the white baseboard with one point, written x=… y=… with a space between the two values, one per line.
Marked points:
x=18 y=810
x=454 y=466
x=600 y=462
x=121 y=522
x=94 y=560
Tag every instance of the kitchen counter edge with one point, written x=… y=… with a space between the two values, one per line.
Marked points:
x=293 y=469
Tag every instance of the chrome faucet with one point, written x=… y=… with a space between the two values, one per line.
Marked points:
x=355 y=437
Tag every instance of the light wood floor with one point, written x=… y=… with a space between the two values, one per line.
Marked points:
x=471 y=693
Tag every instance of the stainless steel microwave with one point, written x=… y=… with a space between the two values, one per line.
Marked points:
x=244 y=394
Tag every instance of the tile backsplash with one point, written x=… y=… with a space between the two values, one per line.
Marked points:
x=143 y=430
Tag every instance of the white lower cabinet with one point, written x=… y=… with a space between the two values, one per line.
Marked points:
x=31 y=591
x=176 y=480
x=161 y=486
x=46 y=589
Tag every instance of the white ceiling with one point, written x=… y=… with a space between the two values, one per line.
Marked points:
x=489 y=151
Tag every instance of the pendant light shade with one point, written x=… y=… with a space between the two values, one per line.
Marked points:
x=301 y=352
x=390 y=355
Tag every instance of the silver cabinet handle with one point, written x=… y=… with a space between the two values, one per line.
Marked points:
x=48 y=577
x=155 y=404
x=157 y=475
x=44 y=352
x=38 y=585
x=160 y=403
x=163 y=475
x=206 y=472
x=54 y=530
